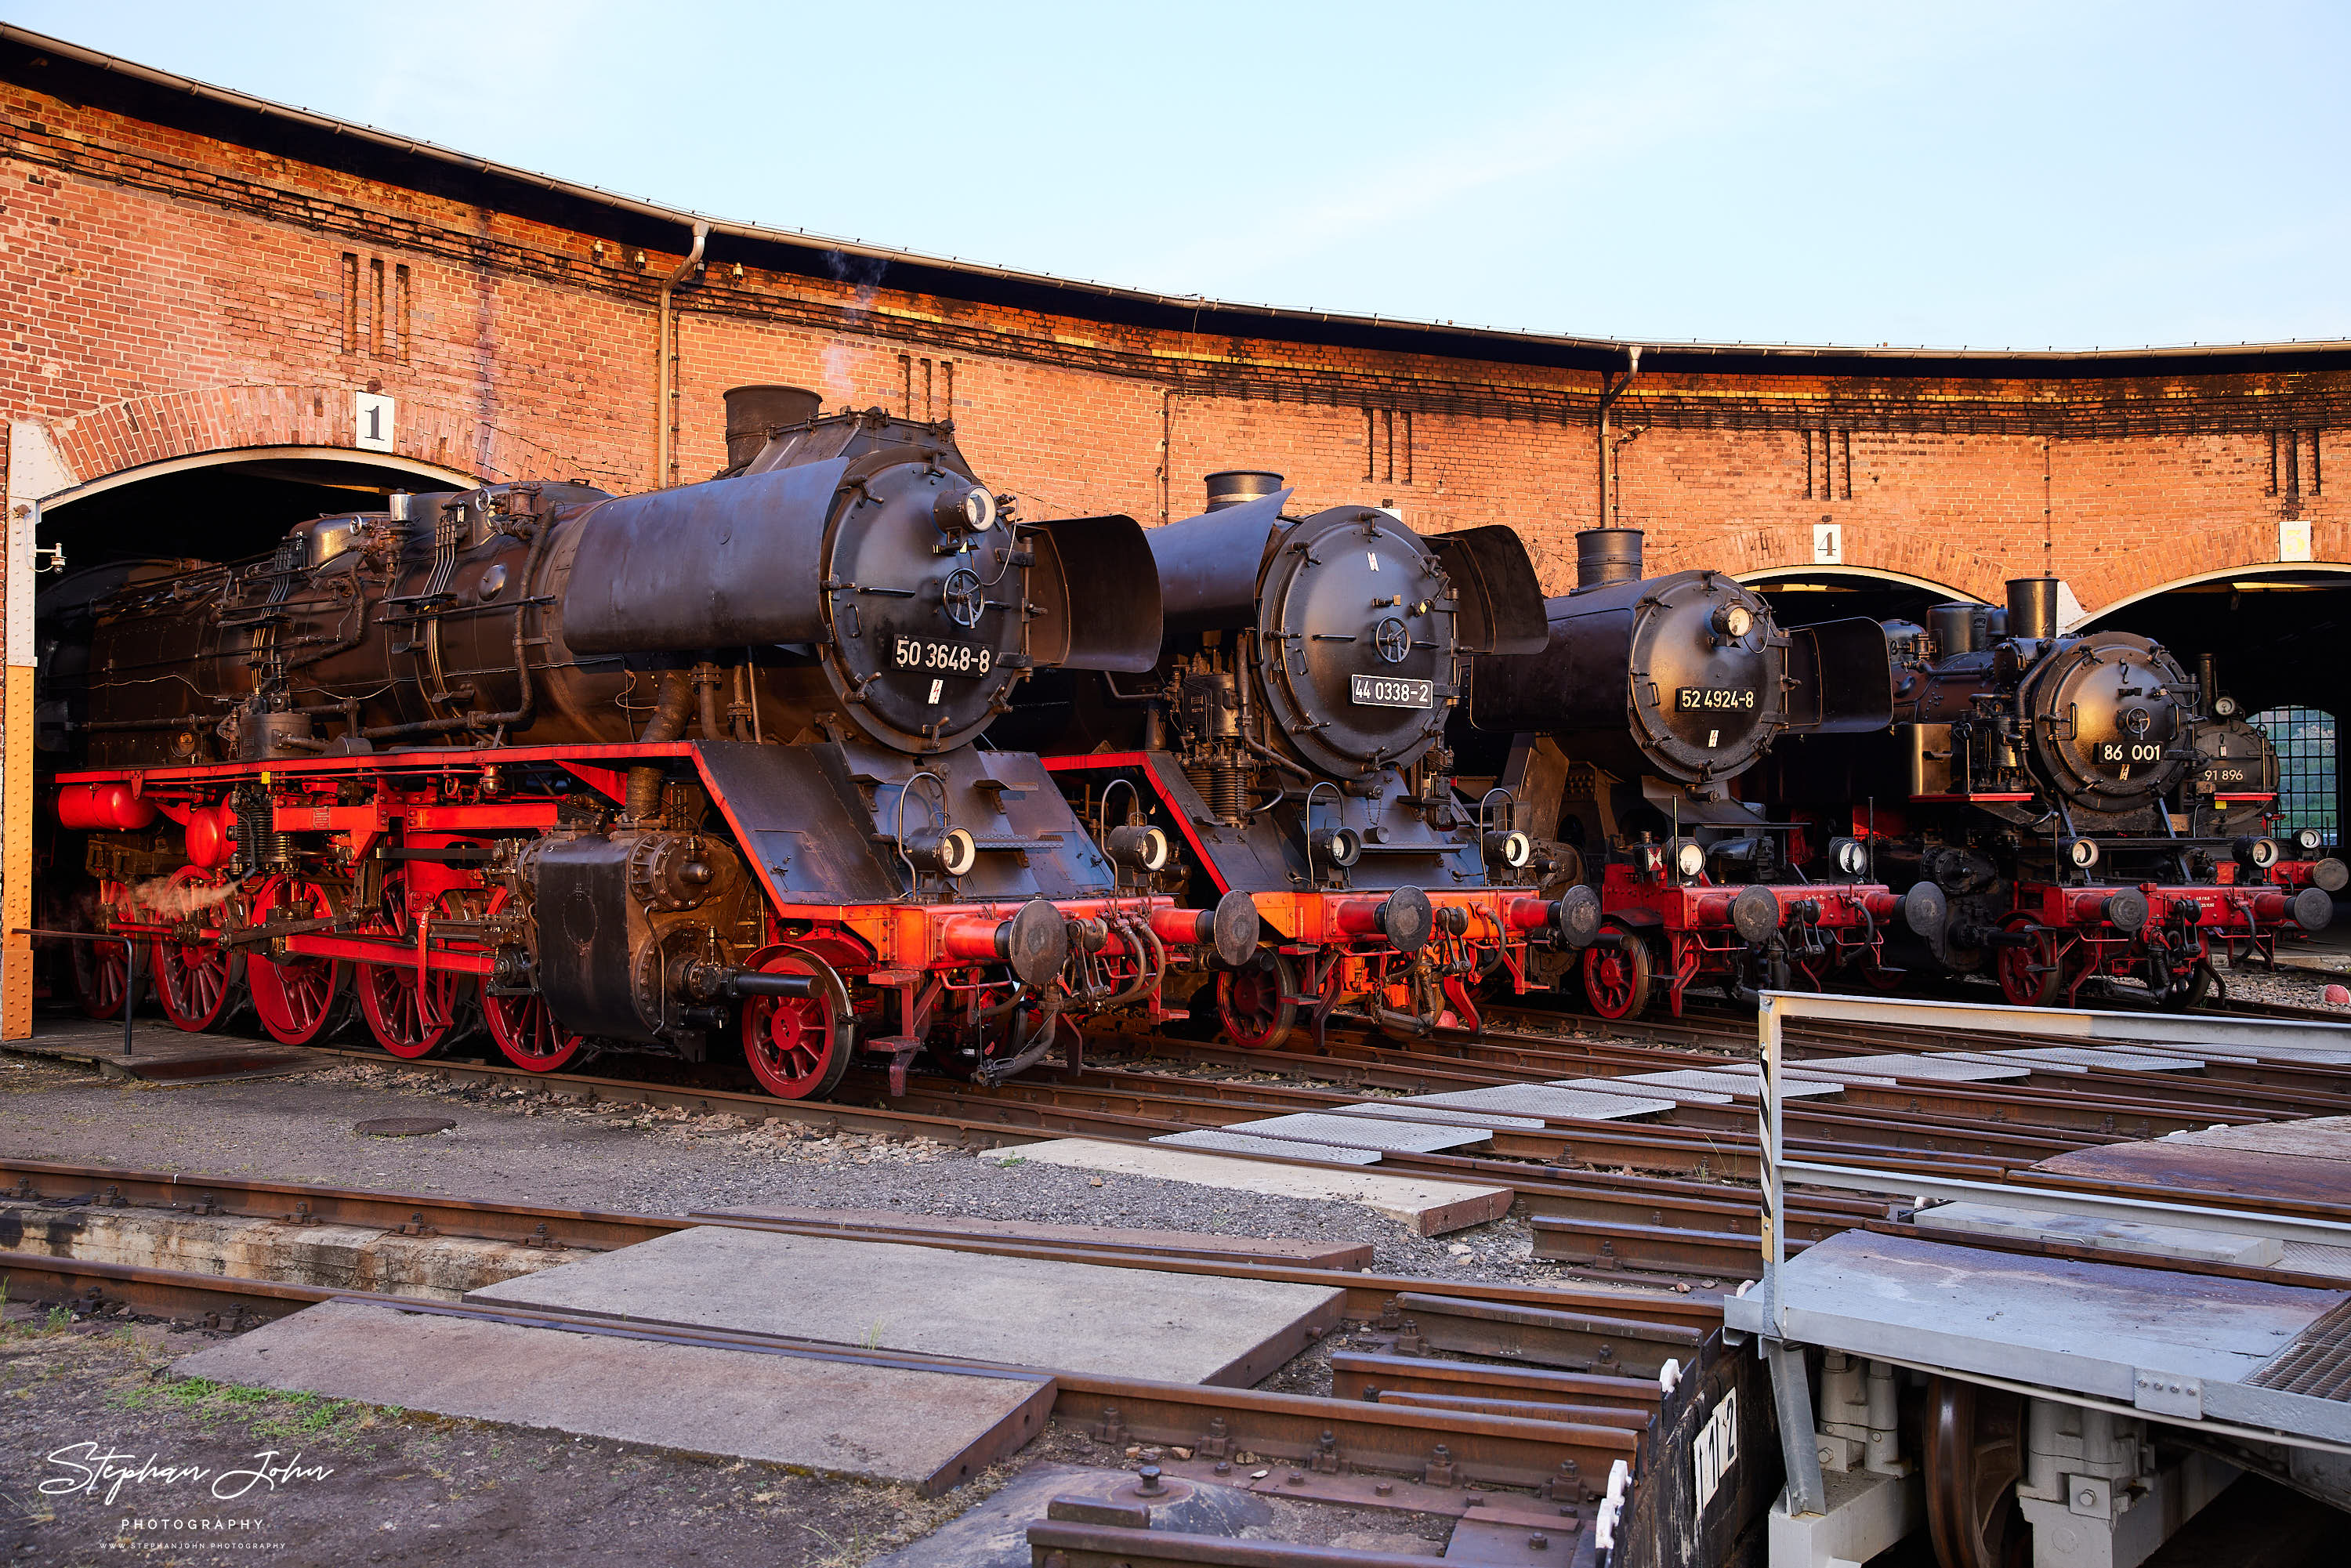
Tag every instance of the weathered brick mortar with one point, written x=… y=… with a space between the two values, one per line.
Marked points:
x=165 y=294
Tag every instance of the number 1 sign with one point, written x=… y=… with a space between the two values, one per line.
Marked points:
x=371 y=413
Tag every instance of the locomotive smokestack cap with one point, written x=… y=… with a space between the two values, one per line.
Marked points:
x=2033 y=607
x=1603 y=555
x=753 y=413
x=1231 y=486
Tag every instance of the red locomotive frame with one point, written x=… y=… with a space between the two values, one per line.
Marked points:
x=1836 y=927
x=400 y=901
x=1331 y=948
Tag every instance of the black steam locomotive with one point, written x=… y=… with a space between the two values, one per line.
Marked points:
x=587 y=769
x=1623 y=742
x=1288 y=749
x=2060 y=808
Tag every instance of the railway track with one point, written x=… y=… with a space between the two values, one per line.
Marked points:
x=1578 y=1393
x=1670 y=1198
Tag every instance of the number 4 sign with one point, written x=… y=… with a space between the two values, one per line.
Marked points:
x=371 y=416
x=1828 y=544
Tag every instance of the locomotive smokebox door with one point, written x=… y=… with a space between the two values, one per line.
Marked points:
x=1355 y=635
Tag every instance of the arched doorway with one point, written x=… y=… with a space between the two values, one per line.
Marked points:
x=223 y=506
x=218 y=506
x=1808 y=595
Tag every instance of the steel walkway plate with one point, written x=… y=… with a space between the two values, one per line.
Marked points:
x=1548 y=1102
x=1407 y=1111
x=1276 y=1148
x=2110 y=1331
x=1898 y=1065
x=2083 y=1057
x=1735 y=1085
x=1364 y=1132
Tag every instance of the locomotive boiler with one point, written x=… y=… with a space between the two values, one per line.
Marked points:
x=1288 y=748
x=1623 y=741
x=624 y=770
x=2037 y=797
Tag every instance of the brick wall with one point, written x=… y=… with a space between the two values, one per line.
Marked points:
x=166 y=294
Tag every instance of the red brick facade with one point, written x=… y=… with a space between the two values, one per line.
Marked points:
x=169 y=292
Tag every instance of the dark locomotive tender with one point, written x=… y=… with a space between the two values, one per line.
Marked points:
x=441 y=757
x=2026 y=801
x=1287 y=750
x=1623 y=741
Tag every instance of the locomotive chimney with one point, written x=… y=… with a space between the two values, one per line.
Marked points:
x=1605 y=556
x=1234 y=486
x=754 y=412
x=2033 y=607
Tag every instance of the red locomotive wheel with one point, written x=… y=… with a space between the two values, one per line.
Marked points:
x=1254 y=1003
x=793 y=1043
x=1616 y=980
x=2028 y=975
x=524 y=1027
x=408 y=1019
x=300 y=999
x=98 y=971
x=525 y=1030
x=199 y=982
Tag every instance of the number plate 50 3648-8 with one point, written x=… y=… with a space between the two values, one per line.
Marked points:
x=1381 y=691
x=941 y=658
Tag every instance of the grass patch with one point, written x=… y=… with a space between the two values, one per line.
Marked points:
x=268 y=1412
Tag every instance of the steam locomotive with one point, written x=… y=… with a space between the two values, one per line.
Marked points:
x=1621 y=742
x=1288 y=749
x=2026 y=799
x=635 y=769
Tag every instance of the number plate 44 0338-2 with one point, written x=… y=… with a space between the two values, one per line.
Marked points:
x=1381 y=691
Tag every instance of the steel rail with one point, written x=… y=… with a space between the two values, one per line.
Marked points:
x=1368 y=1293
x=46 y=1182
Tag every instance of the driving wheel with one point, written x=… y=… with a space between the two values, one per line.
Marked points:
x=199 y=982
x=2027 y=974
x=1253 y=1002
x=1616 y=980
x=794 y=1044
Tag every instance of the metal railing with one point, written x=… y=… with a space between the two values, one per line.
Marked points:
x=2212 y=1033
x=130 y=967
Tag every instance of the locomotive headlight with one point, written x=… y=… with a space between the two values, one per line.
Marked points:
x=2082 y=853
x=1849 y=856
x=1511 y=850
x=1687 y=858
x=1342 y=847
x=2224 y=707
x=952 y=853
x=2307 y=841
x=1142 y=848
x=1734 y=621
x=2259 y=854
x=970 y=511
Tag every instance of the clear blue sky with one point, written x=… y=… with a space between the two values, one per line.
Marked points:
x=1981 y=173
